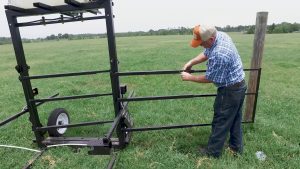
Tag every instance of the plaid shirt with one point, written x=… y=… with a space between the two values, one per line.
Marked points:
x=224 y=65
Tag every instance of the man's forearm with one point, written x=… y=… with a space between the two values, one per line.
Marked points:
x=200 y=58
x=185 y=76
x=200 y=79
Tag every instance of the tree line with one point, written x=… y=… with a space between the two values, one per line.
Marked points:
x=283 y=27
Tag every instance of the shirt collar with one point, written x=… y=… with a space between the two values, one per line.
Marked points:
x=216 y=40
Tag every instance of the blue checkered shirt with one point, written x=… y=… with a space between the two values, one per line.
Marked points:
x=224 y=65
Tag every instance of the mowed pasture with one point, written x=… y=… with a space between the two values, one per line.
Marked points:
x=276 y=129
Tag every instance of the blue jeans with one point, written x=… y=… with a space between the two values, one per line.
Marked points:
x=227 y=118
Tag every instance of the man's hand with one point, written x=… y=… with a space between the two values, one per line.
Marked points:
x=186 y=76
x=198 y=59
x=187 y=67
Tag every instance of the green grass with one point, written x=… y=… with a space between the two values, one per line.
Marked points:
x=276 y=130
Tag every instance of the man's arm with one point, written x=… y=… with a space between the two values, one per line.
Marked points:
x=200 y=79
x=198 y=59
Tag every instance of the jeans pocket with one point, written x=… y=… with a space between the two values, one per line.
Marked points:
x=229 y=100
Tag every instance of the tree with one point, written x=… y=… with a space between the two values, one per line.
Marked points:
x=271 y=28
x=51 y=37
x=65 y=36
x=251 y=30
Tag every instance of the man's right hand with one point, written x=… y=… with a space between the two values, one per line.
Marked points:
x=198 y=59
x=187 y=67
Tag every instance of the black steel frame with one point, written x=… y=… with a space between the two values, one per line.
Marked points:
x=122 y=124
x=258 y=70
x=99 y=145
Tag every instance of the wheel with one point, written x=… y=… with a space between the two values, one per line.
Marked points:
x=128 y=123
x=58 y=116
x=127 y=134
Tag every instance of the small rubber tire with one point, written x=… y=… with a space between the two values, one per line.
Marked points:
x=128 y=123
x=58 y=116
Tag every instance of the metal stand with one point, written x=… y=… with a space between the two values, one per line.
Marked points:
x=122 y=124
x=98 y=145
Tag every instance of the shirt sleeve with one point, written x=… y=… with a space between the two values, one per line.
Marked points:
x=216 y=68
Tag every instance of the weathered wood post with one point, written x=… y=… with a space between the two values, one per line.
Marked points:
x=254 y=77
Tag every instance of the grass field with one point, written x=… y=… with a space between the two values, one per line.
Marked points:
x=276 y=129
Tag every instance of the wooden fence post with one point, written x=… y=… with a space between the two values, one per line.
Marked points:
x=258 y=48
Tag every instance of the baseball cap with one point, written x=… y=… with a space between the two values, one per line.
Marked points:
x=202 y=33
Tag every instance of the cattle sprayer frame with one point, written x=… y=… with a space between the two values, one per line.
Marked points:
x=122 y=124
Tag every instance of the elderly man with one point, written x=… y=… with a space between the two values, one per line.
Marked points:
x=225 y=70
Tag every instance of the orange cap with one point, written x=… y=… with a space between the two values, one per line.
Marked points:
x=196 y=41
x=202 y=33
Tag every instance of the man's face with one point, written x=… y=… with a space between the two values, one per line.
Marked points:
x=208 y=43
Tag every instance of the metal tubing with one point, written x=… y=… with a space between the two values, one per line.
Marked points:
x=43 y=6
x=78 y=4
x=70 y=97
x=169 y=97
x=25 y=110
x=256 y=94
x=59 y=21
x=13 y=117
x=117 y=121
x=125 y=104
x=73 y=3
x=23 y=69
x=19 y=12
x=112 y=161
x=113 y=127
x=156 y=72
x=64 y=74
x=112 y=55
x=164 y=97
x=14 y=8
x=253 y=69
x=166 y=127
x=72 y=125
x=31 y=161
x=113 y=59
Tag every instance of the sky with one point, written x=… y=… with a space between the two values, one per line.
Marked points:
x=143 y=15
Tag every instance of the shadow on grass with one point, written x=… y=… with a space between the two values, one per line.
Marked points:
x=189 y=140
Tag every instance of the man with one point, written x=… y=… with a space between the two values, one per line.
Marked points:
x=225 y=70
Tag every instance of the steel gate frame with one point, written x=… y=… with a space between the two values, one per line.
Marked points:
x=99 y=145
x=122 y=123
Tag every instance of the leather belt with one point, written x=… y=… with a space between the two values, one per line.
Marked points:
x=238 y=84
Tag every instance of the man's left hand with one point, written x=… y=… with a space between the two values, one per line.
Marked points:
x=186 y=76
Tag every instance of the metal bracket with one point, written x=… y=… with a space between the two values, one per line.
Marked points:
x=21 y=69
x=35 y=91
x=123 y=89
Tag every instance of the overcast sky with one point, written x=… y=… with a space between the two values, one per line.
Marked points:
x=143 y=15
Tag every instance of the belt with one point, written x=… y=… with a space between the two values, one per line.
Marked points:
x=238 y=84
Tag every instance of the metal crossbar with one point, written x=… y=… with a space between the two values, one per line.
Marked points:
x=163 y=72
x=64 y=74
x=70 y=97
x=72 y=125
x=59 y=20
x=20 y=12
x=167 y=127
x=169 y=97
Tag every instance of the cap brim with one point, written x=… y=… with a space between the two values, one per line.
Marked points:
x=195 y=43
